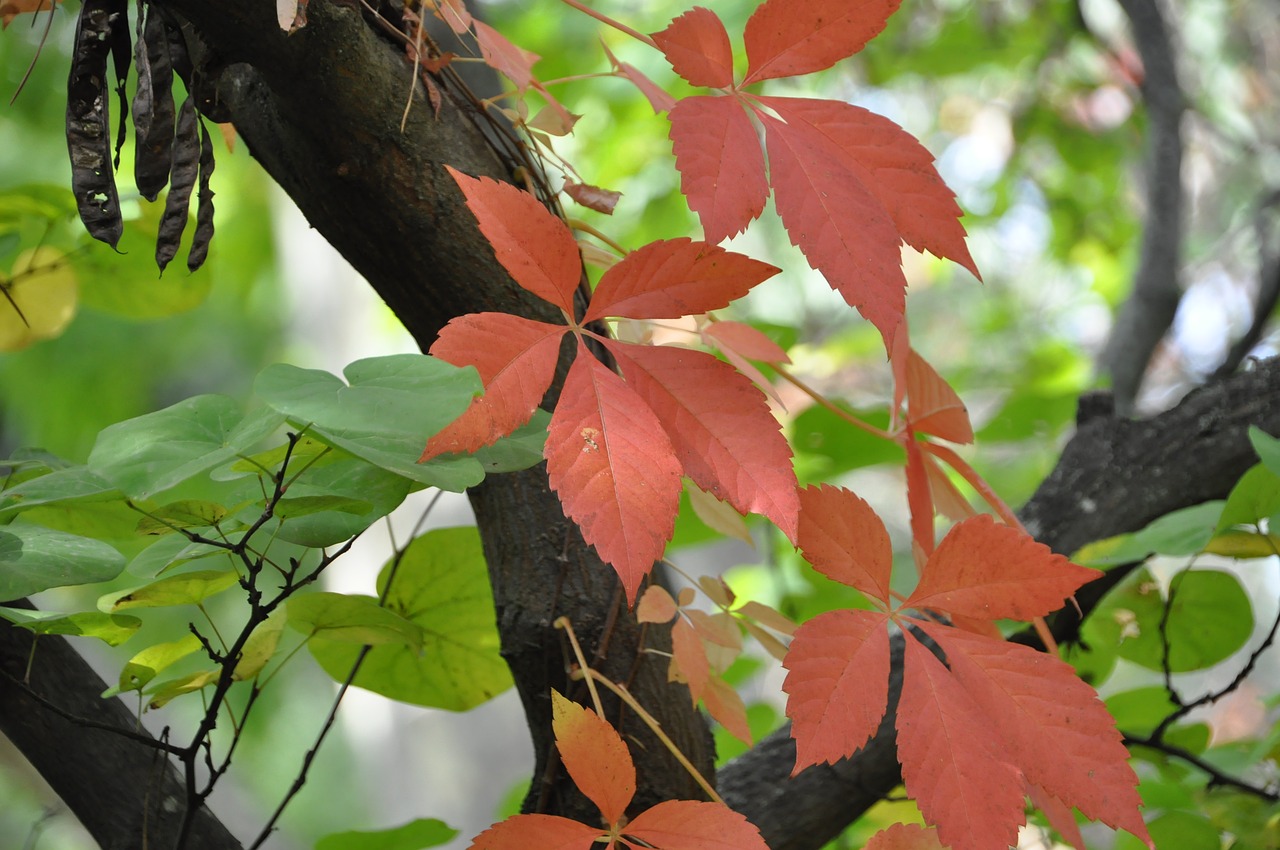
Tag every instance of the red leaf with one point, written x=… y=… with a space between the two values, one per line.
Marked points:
x=595 y=756
x=592 y=197
x=657 y=97
x=837 y=684
x=720 y=426
x=832 y=215
x=1058 y=814
x=843 y=539
x=694 y=825
x=535 y=247
x=726 y=707
x=613 y=467
x=919 y=496
x=455 y=14
x=903 y=177
x=656 y=606
x=933 y=407
x=904 y=836
x=989 y=571
x=948 y=765
x=536 y=832
x=671 y=278
x=785 y=38
x=746 y=341
x=948 y=499
x=1052 y=725
x=514 y=63
x=697 y=46
x=689 y=658
x=720 y=163
x=516 y=359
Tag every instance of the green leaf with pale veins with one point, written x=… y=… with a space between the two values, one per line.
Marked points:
x=442 y=585
x=112 y=629
x=351 y=619
x=183 y=589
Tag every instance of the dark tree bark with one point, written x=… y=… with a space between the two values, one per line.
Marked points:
x=321 y=111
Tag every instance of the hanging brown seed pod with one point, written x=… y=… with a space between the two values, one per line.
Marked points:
x=183 y=170
x=153 y=108
x=204 y=204
x=88 y=119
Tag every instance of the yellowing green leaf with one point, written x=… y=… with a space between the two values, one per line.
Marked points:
x=183 y=589
x=41 y=298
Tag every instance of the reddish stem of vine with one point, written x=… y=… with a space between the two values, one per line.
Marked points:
x=605 y=19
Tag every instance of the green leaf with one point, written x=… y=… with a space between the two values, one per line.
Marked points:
x=307 y=505
x=144 y=666
x=307 y=453
x=33 y=559
x=351 y=619
x=342 y=481
x=187 y=513
x=1209 y=619
x=170 y=689
x=1140 y=711
x=415 y=835
x=1184 y=532
x=260 y=646
x=1256 y=496
x=827 y=445
x=152 y=453
x=518 y=450
x=184 y=589
x=386 y=413
x=113 y=629
x=1267 y=447
x=168 y=552
x=73 y=484
x=442 y=585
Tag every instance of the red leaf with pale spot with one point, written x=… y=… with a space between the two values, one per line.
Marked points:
x=694 y=825
x=720 y=426
x=535 y=247
x=901 y=170
x=833 y=216
x=843 y=539
x=949 y=764
x=671 y=278
x=697 y=46
x=720 y=163
x=837 y=684
x=989 y=571
x=516 y=359
x=785 y=38
x=611 y=464
x=595 y=757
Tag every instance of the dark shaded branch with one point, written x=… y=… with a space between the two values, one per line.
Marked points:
x=1149 y=311
x=1114 y=476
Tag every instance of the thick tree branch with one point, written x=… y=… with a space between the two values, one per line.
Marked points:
x=1147 y=315
x=1114 y=476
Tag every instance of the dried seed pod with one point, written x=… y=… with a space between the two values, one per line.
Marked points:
x=121 y=58
x=183 y=171
x=89 y=123
x=204 y=204
x=153 y=108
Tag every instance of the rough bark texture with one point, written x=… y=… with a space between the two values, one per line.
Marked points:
x=321 y=110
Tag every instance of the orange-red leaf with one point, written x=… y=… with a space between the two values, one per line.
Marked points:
x=837 y=684
x=1052 y=725
x=947 y=498
x=901 y=171
x=657 y=97
x=610 y=462
x=745 y=341
x=694 y=825
x=989 y=571
x=671 y=278
x=514 y=63
x=592 y=197
x=697 y=46
x=832 y=215
x=843 y=539
x=516 y=359
x=656 y=606
x=595 y=756
x=785 y=38
x=919 y=496
x=536 y=832
x=720 y=163
x=726 y=707
x=949 y=764
x=535 y=247
x=720 y=426
x=454 y=13
x=933 y=407
x=905 y=836
x=689 y=659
